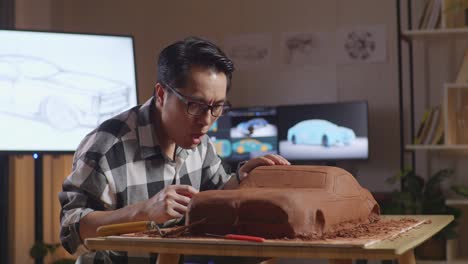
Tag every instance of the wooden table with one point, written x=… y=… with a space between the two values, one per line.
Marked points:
x=169 y=249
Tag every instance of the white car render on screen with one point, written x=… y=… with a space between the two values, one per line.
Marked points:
x=320 y=132
x=35 y=88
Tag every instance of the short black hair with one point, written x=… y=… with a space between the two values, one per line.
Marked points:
x=175 y=60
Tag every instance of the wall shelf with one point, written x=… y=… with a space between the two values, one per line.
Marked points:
x=456 y=142
x=434 y=33
x=437 y=147
x=455 y=261
x=456 y=201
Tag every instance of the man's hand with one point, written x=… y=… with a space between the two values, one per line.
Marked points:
x=267 y=160
x=171 y=202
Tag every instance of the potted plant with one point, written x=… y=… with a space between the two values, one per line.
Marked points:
x=420 y=196
x=39 y=250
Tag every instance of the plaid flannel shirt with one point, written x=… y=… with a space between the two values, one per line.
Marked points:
x=120 y=163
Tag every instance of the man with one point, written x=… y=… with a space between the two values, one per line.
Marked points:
x=146 y=163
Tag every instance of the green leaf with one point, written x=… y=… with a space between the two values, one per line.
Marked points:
x=397 y=177
x=420 y=196
x=435 y=180
x=456 y=212
x=460 y=190
x=413 y=184
x=38 y=250
x=52 y=247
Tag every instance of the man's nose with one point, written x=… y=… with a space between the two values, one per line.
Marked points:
x=206 y=117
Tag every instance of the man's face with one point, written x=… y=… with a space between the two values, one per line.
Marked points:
x=205 y=86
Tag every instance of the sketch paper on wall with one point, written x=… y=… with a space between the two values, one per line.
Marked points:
x=361 y=44
x=249 y=51
x=306 y=48
x=56 y=87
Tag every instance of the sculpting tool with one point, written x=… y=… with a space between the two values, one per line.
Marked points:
x=141 y=226
x=238 y=237
x=124 y=228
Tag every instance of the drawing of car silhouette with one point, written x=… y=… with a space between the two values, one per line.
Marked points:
x=320 y=132
x=35 y=88
x=248 y=127
x=296 y=200
x=223 y=147
x=250 y=145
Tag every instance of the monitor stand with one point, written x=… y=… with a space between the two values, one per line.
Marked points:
x=330 y=163
x=38 y=204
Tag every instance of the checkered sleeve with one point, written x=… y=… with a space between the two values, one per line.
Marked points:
x=213 y=172
x=84 y=191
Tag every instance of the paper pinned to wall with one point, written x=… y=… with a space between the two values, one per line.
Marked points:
x=307 y=48
x=361 y=44
x=249 y=51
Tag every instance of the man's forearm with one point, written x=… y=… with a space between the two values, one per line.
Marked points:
x=93 y=220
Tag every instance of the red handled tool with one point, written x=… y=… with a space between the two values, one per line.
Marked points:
x=238 y=237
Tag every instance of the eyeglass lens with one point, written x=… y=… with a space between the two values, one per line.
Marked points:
x=198 y=109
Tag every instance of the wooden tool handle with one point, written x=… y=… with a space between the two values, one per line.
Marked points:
x=124 y=228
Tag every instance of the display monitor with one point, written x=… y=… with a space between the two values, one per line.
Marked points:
x=56 y=87
x=245 y=133
x=328 y=132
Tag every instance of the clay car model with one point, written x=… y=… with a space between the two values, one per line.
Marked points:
x=35 y=88
x=320 y=132
x=284 y=201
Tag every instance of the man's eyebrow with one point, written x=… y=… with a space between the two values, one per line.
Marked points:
x=201 y=100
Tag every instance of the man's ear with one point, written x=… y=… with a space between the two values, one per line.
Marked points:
x=159 y=94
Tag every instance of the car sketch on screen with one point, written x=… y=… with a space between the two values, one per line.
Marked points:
x=222 y=146
x=255 y=127
x=35 y=88
x=251 y=145
x=320 y=132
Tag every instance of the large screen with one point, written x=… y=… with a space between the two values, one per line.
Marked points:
x=56 y=87
x=329 y=132
x=245 y=133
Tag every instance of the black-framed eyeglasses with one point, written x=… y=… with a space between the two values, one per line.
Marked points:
x=197 y=108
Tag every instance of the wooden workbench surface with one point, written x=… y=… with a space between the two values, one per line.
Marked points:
x=389 y=248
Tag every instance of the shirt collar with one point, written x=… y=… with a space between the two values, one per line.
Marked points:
x=147 y=139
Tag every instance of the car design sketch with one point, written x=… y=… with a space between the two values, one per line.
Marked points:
x=248 y=127
x=325 y=192
x=300 y=45
x=360 y=45
x=320 y=132
x=255 y=127
x=223 y=147
x=35 y=88
x=251 y=145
